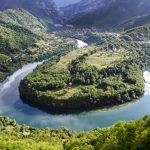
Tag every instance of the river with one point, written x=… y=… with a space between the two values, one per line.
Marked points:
x=11 y=105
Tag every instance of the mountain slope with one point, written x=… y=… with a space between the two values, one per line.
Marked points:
x=14 y=38
x=135 y=22
x=19 y=46
x=22 y=18
x=44 y=9
x=84 y=6
x=14 y=43
x=141 y=33
x=110 y=14
x=23 y=39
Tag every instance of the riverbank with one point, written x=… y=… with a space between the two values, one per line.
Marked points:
x=84 y=79
x=84 y=97
x=11 y=105
x=43 y=48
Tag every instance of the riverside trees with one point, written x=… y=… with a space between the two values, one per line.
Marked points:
x=87 y=78
x=121 y=136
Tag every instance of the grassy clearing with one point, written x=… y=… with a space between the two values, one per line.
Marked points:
x=67 y=93
x=65 y=60
x=104 y=59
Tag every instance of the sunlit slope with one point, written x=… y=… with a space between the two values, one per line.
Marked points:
x=22 y=18
x=122 y=135
x=23 y=38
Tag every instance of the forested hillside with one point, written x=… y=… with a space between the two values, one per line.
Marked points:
x=133 y=135
x=23 y=18
x=22 y=42
x=135 y=22
x=14 y=40
x=43 y=9
x=141 y=33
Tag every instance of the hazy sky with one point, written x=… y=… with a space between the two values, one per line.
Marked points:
x=65 y=2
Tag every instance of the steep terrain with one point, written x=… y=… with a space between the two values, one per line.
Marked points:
x=107 y=72
x=22 y=18
x=23 y=38
x=110 y=14
x=43 y=9
x=135 y=22
x=133 y=135
x=84 y=6
x=14 y=45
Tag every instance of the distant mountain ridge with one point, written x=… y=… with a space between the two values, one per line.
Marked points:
x=62 y=3
x=84 y=6
x=43 y=9
x=104 y=13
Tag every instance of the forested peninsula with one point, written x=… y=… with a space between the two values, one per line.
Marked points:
x=70 y=66
x=107 y=73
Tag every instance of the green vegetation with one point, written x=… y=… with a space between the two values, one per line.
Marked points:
x=87 y=78
x=22 y=18
x=141 y=33
x=134 y=135
x=140 y=38
x=135 y=22
x=14 y=38
x=22 y=45
x=107 y=73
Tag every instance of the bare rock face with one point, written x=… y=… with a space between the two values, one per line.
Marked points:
x=43 y=9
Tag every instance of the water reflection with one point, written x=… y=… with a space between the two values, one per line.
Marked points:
x=12 y=106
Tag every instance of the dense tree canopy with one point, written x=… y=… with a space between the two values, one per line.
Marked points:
x=109 y=73
x=23 y=38
x=133 y=135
